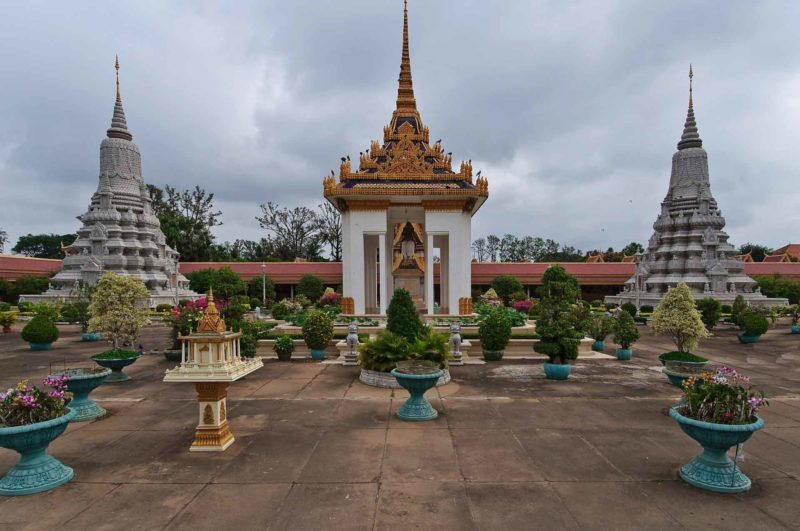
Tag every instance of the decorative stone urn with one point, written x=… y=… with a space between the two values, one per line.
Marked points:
x=211 y=359
x=81 y=382
x=713 y=470
x=416 y=377
x=36 y=471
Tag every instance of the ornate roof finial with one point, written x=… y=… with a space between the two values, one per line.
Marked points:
x=119 y=126
x=211 y=321
x=405 y=89
x=690 y=137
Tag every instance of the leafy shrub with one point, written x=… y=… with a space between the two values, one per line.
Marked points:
x=533 y=312
x=726 y=308
x=432 y=346
x=600 y=327
x=646 y=308
x=27 y=285
x=78 y=312
x=681 y=356
x=401 y=316
x=610 y=306
x=252 y=330
x=255 y=303
x=739 y=307
x=505 y=286
x=490 y=298
x=677 y=317
x=25 y=307
x=48 y=310
x=778 y=286
x=224 y=282
x=40 y=329
x=518 y=296
x=597 y=303
x=7 y=318
x=116 y=354
x=285 y=308
x=311 y=286
x=523 y=306
x=710 y=311
x=317 y=330
x=753 y=323
x=117 y=309
x=495 y=330
x=283 y=344
x=255 y=290
x=303 y=301
x=625 y=331
x=5 y=307
x=555 y=325
x=330 y=298
x=630 y=308
x=581 y=314
x=383 y=352
x=160 y=308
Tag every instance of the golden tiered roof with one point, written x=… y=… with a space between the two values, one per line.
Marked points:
x=211 y=321
x=406 y=164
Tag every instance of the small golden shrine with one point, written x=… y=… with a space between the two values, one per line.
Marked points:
x=403 y=205
x=211 y=359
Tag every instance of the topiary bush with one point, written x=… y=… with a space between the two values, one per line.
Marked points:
x=283 y=347
x=495 y=330
x=646 y=308
x=625 y=331
x=710 y=311
x=739 y=307
x=597 y=303
x=401 y=316
x=317 y=330
x=753 y=323
x=505 y=286
x=677 y=317
x=311 y=286
x=40 y=329
x=726 y=308
x=555 y=325
x=630 y=308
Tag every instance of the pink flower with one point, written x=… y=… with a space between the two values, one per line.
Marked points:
x=28 y=401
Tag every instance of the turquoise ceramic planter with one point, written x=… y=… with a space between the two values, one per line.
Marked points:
x=713 y=470
x=748 y=339
x=493 y=355
x=624 y=354
x=675 y=378
x=599 y=346
x=557 y=372
x=36 y=471
x=796 y=329
x=40 y=346
x=317 y=355
x=81 y=382
x=91 y=336
x=116 y=366
x=417 y=408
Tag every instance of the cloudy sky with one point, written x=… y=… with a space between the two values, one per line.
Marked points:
x=572 y=109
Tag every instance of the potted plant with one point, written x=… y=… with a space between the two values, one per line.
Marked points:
x=6 y=320
x=625 y=334
x=30 y=419
x=600 y=326
x=252 y=331
x=555 y=326
x=40 y=332
x=118 y=310
x=495 y=333
x=283 y=347
x=718 y=410
x=682 y=357
x=753 y=324
x=677 y=317
x=317 y=333
x=794 y=313
x=80 y=382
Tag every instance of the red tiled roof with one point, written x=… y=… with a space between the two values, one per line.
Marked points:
x=279 y=272
x=792 y=249
x=13 y=267
x=776 y=258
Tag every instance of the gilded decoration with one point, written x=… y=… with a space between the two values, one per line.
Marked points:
x=211 y=321
x=465 y=306
x=348 y=306
x=208 y=415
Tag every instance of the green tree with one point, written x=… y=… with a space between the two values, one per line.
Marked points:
x=739 y=307
x=759 y=251
x=329 y=227
x=677 y=317
x=555 y=326
x=27 y=285
x=43 y=245
x=779 y=286
x=401 y=316
x=710 y=311
x=225 y=282
x=311 y=286
x=119 y=308
x=632 y=249
x=3 y=239
x=186 y=218
x=625 y=331
x=292 y=233
x=255 y=291
x=505 y=286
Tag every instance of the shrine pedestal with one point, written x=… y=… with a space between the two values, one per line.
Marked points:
x=213 y=433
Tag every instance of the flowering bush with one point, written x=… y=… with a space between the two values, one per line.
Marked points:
x=721 y=397
x=118 y=308
x=26 y=404
x=285 y=308
x=491 y=298
x=523 y=305
x=330 y=298
x=183 y=320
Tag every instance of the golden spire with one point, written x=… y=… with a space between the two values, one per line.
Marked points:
x=691 y=75
x=211 y=321
x=116 y=65
x=405 y=89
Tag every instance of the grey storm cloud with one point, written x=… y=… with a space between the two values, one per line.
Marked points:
x=571 y=109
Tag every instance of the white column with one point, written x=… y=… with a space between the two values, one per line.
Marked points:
x=444 y=274
x=429 y=272
x=385 y=275
x=370 y=273
x=357 y=271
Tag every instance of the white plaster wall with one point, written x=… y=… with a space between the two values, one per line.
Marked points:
x=458 y=226
x=354 y=225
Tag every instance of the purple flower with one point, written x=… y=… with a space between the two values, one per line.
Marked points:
x=28 y=401
x=755 y=401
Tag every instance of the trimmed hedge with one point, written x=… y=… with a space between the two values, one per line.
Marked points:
x=40 y=329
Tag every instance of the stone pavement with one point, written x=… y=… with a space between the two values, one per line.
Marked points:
x=316 y=449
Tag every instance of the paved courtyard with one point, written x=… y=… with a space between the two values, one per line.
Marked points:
x=316 y=449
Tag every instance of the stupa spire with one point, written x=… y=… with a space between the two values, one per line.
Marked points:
x=119 y=126
x=405 y=88
x=690 y=137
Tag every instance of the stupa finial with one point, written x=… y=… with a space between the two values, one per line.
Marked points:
x=119 y=126
x=405 y=88
x=690 y=137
